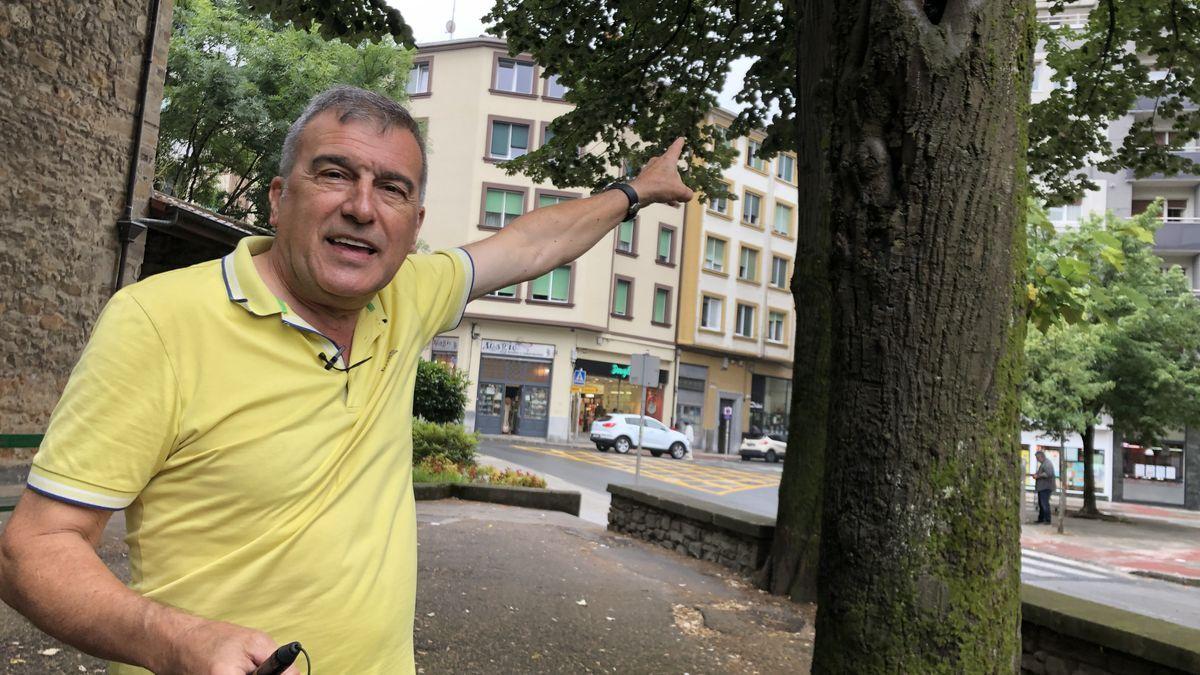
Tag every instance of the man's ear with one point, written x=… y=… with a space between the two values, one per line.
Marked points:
x=273 y=196
x=417 y=233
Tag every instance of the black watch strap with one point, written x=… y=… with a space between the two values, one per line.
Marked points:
x=631 y=194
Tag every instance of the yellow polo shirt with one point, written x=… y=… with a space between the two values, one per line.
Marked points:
x=260 y=487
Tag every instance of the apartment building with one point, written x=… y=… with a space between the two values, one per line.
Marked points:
x=736 y=315
x=1169 y=474
x=545 y=355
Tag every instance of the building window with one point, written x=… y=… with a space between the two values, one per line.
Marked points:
x=752 y=160
x=751 y=207
x=748 y=264
x=418 y=79
x=509 y=140
x=553 y=286
x=719 y=205
x=621 y=298
x=1167 y=137
x=662 y=304
x=710 y=313
x=714 y=255
x=1067 y=214
x=666 y=245
x=783 y=219
x=506 y=292
x=775 y=327
x=1173 y=210
x=551 y=200
x=785 y=168
x=514 y=76
x=626 y=242
x=554 y=89
x=779 y=268
x=501 y=207
x=745 y=321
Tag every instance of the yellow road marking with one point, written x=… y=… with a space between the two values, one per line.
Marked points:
x=714 y=480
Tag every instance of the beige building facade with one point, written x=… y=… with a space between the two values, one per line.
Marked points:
x=546 y=355
x=736 y=315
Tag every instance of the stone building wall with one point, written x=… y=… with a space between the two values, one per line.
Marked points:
x=70 y=74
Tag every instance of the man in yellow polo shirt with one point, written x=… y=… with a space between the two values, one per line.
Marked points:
x=252 y=416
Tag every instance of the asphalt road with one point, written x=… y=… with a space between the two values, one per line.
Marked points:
x=754 y=487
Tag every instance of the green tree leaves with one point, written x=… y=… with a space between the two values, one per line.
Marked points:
x=235 y=82
x=351 y=20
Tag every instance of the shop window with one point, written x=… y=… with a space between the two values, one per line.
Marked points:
x=710 y=313
x=509 y=140
x=625 y=236
x=779 y=269
x=418 y=79
x=621 y=299
x=662 y=304
x=785 y=168
x=501 y=207
x=744 y=325
x=666 y=245
x=514 y=76
x=748 y=265
x=714 y=254
x=554 y=286
x=751 y=208
x=775 y=321
x=783 y=219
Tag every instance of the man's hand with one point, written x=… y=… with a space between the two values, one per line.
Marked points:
x=219 y=648
x=659 y=182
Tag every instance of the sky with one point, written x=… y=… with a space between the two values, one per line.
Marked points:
x=428 y=21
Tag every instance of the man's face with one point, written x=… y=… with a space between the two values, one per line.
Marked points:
x=348 y=214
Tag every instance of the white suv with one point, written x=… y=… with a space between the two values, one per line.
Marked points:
x=620 y=432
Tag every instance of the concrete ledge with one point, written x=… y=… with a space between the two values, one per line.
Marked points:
x=530 y=498
x=745 y=523
x=1163 y=644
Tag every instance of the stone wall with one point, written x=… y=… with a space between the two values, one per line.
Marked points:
x=70 y=74
x=732 y=538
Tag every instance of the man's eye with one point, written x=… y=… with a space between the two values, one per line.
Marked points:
x=395 y=190
x=336 y=175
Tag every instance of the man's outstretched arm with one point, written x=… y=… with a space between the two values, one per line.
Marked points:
x=545 y=238
x=49 y=571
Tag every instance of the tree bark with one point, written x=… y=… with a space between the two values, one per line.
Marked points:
x=919 y=568
x=795 y=552
x=1089 y=479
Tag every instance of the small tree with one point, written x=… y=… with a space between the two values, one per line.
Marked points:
x=441 y=393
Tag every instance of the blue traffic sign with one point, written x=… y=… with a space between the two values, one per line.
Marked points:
x=580 y=377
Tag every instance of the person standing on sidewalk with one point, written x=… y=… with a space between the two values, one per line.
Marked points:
x=1044 y=484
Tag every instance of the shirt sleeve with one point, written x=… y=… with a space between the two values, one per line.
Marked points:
x=118 y=417
x=444 y=280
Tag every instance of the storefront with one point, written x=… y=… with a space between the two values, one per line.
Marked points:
x=444 y=349
x=1153 y=474
x=513 y=395
x=770 y=403
x=606 y=389
x=1073 y=469
x=689 y=400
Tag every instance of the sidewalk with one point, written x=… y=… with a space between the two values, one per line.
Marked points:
x=1152 y=541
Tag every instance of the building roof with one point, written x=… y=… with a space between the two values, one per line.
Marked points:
x=192 y=221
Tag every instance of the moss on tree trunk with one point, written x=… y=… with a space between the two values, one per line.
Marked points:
x=920 y=558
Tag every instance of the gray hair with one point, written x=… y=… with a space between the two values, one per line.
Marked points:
x=358 y=105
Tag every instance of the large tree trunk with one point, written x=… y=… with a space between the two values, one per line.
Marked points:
x=919 y=546
x=1089 y=480
x=795 y=552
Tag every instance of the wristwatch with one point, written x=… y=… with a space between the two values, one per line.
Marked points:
x=631 y=194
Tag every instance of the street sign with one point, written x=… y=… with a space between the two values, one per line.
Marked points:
x=727 y=412
x=580 y=377
x=643 y=370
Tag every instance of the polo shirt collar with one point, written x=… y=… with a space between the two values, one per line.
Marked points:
x=245 y=287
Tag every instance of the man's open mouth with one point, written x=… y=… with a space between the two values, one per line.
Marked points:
x=352 y=244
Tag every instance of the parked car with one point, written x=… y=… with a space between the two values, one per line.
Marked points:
x=620 y=432
x=762 y=446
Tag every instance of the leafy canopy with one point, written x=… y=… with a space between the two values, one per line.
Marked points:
x=351 y=20
x=235 y=82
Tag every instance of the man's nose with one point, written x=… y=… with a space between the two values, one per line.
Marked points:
x=359 y=204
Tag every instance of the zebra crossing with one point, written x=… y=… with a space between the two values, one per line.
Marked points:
x=1036 y=565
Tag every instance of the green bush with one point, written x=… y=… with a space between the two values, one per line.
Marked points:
x=437 y=469
x=517 y=478
x=451 y=441
x=441 y=392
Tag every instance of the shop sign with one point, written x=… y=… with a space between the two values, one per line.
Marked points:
x=443 y=343
x=586 y=389
x=620 y=371
x=521 y=349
